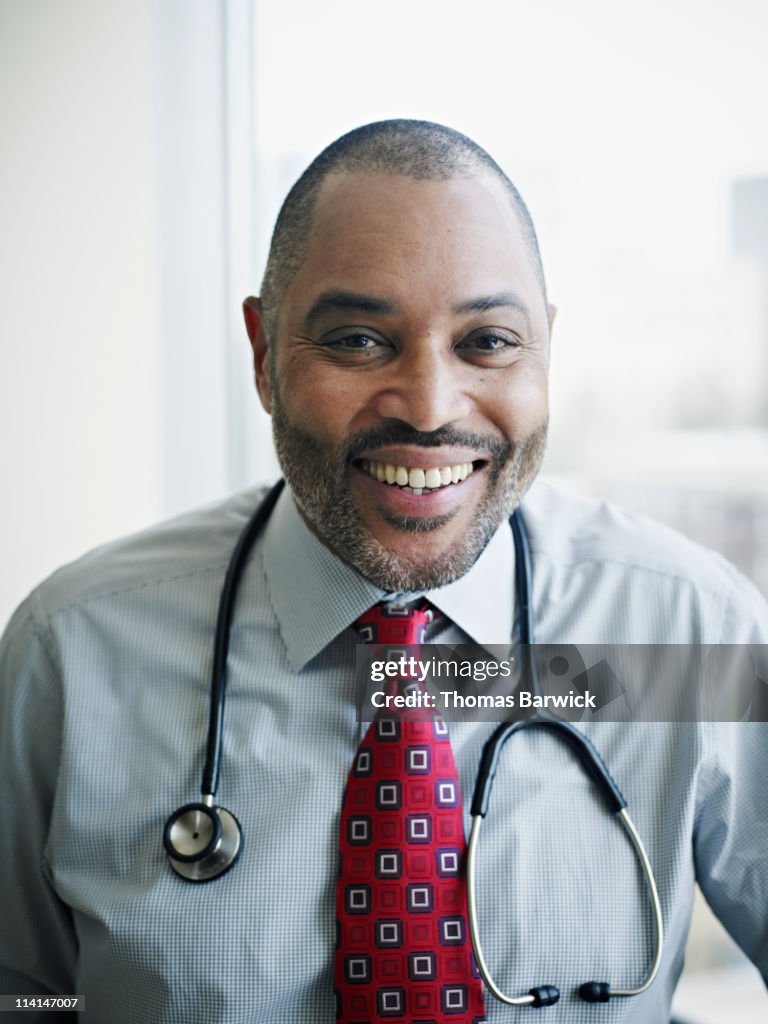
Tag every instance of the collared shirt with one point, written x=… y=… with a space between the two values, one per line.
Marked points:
x=103 y=721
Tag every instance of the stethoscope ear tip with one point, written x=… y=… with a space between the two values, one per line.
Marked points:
x=544 y=995
x=595 y=991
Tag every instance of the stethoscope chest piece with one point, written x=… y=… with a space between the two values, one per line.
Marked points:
x=202 y=841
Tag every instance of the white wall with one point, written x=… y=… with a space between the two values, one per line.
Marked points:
x=79 y=314
x=122 y=355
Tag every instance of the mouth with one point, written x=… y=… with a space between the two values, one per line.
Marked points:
x=417 y=480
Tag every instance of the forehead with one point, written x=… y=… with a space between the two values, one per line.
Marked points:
x=430 y=240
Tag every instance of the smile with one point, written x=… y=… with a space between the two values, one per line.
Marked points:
x=416 y=480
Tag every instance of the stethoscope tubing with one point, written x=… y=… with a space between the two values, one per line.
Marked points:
x=617 y=805
x=523 y=576
x=223 y=629
x=593 y=764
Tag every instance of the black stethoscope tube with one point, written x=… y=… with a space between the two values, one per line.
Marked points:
x=223 y=629
x=594 y=766
x=581 y=746
x=522 y=578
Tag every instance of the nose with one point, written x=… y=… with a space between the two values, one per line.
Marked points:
x=427 y=385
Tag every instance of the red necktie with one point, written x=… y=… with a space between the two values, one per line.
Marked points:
x=403 y=951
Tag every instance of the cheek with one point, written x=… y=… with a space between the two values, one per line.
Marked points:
x=518 y=406
x=329 y=405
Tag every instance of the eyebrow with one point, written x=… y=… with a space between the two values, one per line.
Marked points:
x=339 y=300
x=484 y=303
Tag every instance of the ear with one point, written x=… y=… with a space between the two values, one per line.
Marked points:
x=254 y=325
x=551 y=314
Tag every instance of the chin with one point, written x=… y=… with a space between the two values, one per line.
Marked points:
x=394 y=546
x=415 y=567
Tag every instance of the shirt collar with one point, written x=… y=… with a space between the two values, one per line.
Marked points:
x=316 y=596
x=482 y=601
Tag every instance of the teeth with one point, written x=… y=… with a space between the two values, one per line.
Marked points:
x=416 y=479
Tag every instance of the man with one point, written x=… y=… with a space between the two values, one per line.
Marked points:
x=401 y=344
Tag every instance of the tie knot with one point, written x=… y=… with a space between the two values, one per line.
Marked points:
x=395 y=624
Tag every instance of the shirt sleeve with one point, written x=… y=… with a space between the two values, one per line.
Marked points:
x=731 y=828
x=37 y=940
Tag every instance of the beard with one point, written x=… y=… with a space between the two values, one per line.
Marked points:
x=320 y=475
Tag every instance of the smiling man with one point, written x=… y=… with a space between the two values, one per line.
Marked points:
x=401 y=344
x=407 y=378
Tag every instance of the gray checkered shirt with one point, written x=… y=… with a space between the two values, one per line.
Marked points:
x=103 y=719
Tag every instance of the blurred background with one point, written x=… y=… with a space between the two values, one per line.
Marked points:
x=147 y=145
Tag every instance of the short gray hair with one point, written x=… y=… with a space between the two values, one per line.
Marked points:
x=417 y=149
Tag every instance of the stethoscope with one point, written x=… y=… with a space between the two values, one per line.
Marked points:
x=203 y=840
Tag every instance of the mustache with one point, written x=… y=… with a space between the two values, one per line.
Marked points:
x=399 y=432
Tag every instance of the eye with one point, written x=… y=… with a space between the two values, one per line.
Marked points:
x=491 y=346
x=489 y=342
x=354 y=344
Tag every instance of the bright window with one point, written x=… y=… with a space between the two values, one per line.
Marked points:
x=634 y=139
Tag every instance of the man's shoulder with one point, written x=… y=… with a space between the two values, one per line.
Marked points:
x=577 y=531
x=603 y=574
x=195 y=543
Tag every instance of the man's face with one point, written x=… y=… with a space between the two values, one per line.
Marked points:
x=408 y=386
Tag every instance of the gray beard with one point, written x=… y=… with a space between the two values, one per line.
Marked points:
x=319 y=478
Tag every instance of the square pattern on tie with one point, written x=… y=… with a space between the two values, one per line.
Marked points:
x=403 y=951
